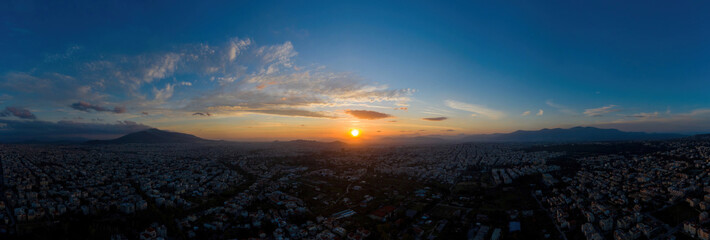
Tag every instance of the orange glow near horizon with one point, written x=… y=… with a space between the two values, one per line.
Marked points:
x=354 y=132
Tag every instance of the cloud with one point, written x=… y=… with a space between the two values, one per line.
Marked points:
x=539 y=112
x=697 y=112
x=236 y=46
x=436 y=119
x=4 y=97
x=161 y=95
x=365 y=114
x=525 y=113
x=87 y=107
x=600 y=111
x=294 y=92
x=48 y=87
x=559 y=107
x=236 y=76
x=696 y=121
x=272 y=111
x=43 y=130
x=293 y=113
x=475 y=109
x=401 y=108
x=644 y=115
x=264 y=85
x=276 y=56
x=204 y=114
x=162 y=67
x=17 y=112
x=67 y=54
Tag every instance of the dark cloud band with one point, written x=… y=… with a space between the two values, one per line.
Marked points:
x=366 y=114
x=87 y=107
x=17 y=112
x=435 y=119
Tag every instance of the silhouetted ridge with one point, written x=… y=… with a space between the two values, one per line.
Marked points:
x=151 y=136
x=575 y=134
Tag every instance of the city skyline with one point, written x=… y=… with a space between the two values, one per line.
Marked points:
x=287 y=70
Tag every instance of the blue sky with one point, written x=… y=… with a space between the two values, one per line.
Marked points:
x=283 y=70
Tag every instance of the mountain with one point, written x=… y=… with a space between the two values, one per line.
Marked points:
x=575 y=134
x=151 y=136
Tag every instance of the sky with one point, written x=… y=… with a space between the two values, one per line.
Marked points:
x=281 y=70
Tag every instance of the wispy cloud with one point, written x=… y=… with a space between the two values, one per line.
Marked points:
x=539 y=112
x=293 y=113
x=296 y=91
x=290 y=112
x=4 y=97
x=696 y=112
x=695 y=121
x=161 y=95
x=50 y=87
x=526 y=113
x=67 y=54
x=600 y=111
x=236 y=46
x=475 y=109
x=276 y=56
x=365 y=114
x=560 y=107
x=644 y=115
x=435 y=119
x=236 y=76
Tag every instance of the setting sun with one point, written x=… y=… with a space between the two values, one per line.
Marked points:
x=355 y=132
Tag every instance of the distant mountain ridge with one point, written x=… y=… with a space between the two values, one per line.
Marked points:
x=575 y=134
x=157 y=136
x=153 y=136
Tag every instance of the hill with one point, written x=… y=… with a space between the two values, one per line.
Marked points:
x=153 y=136
x=575 y=134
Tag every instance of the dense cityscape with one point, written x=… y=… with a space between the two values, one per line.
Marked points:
x=222 y=190
x=354 y=120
